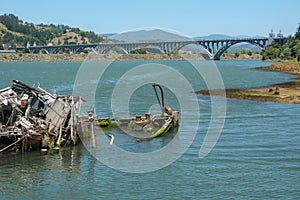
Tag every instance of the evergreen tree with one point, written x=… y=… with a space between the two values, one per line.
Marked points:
x=297 y=35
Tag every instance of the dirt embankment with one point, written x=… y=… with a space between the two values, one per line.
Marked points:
x=42 y=57
x=288 y=92
x=20 y=57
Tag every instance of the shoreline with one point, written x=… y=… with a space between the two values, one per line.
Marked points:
x=286 y=92
x=93 y=57
x=20 y=57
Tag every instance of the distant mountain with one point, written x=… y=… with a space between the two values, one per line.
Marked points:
x=149 y=35
x=213 y=37
x=14 y=32
x=243 y=46
x=222 y=36
x=156 y=35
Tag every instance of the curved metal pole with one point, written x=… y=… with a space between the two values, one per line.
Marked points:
x=162 y=104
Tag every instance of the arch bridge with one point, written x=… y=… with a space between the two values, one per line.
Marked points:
x=214 y=48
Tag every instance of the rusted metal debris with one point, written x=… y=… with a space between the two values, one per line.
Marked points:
x=31 y=116
x=146 y=127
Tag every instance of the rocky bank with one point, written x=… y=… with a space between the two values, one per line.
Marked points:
x=288 y=92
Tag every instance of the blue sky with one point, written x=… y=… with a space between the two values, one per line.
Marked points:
x=190 y=17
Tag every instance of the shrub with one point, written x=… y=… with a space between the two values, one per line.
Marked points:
x=26 y=50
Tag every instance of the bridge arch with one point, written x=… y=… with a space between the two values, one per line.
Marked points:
x=133 y=48
x=205 y=49
x=34 y=50
x=111 y=48
x=259 y=43
x=148 y=47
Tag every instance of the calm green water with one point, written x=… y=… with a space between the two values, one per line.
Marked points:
x=256 y=157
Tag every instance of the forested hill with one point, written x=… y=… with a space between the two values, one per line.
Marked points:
x=14 y=32
x=289 y=51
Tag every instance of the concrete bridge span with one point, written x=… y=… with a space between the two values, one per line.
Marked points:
x=214 y=48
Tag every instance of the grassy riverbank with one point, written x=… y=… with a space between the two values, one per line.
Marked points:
x=288 y=92
x=241 y=56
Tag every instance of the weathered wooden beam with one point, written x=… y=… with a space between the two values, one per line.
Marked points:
x=8 y=146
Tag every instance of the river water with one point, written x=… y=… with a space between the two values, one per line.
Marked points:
x=256 y=157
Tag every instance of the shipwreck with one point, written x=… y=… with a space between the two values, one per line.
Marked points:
x=145 y=127
x=31 y=117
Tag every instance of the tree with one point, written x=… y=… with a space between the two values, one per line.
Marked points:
x=142 y=50
x=43 y=51
x=270 y=53
x=66 y=41
x=236 y=54
x=296 y=48
x=297 y=35
x=67 y=51
x=286 y=54
x=26 y=50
